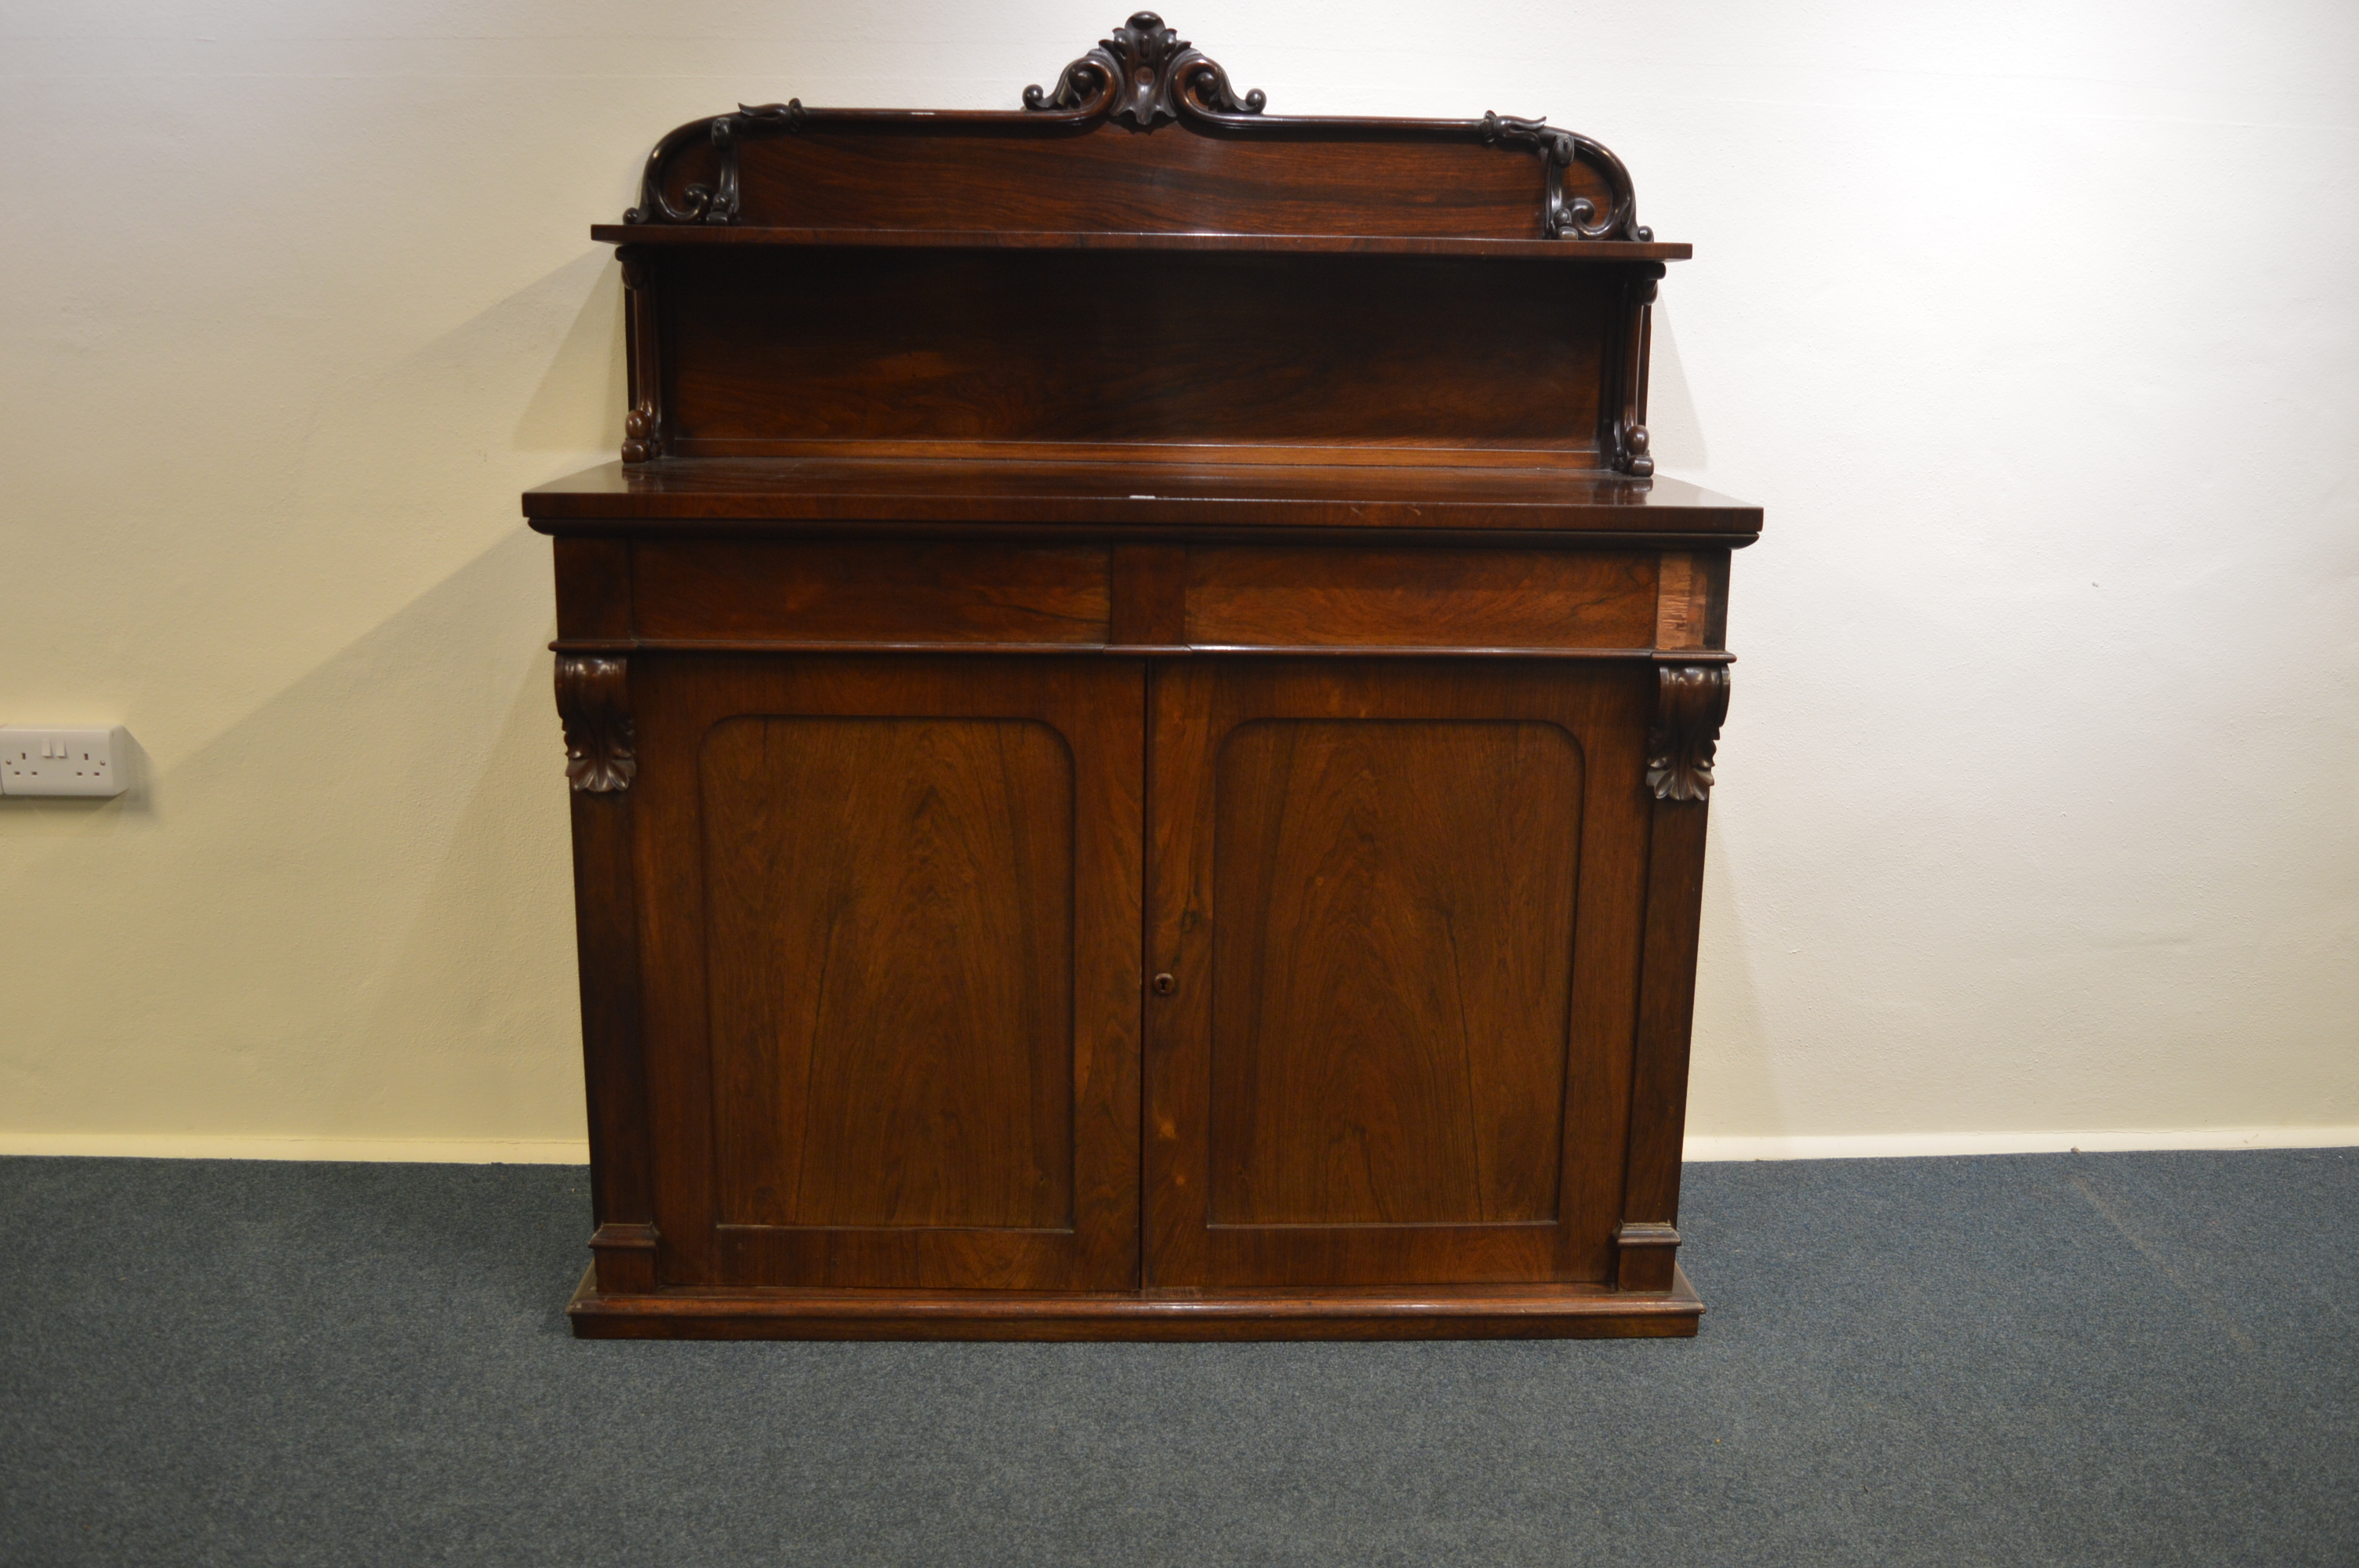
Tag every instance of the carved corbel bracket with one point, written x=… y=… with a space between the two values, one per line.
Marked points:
x=643 y=431
x=594 y=701
x=1690 y=704
x=1628 y=446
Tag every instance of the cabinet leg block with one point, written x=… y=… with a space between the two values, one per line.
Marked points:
x=1463 y=1312
x=1646 y=1255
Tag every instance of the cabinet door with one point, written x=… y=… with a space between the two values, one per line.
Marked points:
x=891 y=937
x=1399 y=904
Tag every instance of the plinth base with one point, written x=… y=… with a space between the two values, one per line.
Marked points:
x=1437 y=1311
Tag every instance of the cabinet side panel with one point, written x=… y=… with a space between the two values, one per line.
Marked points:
x=1392 y=906
x=606 y=910
x=890 y=931
x=593 y=586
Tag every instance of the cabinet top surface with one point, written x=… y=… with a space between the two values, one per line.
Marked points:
x=1128 y=496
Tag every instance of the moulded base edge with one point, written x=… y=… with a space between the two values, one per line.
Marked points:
x=1458 y=1312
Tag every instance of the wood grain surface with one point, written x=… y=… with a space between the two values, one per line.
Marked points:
x=1109 y=708
x=880 y=591
x=1414 y=1312
x=1011 y=177
x=1243 y=596
x=892 y=988
x=1393 y=908
x=1681 y=603
x=890 y=947
x=1401 y=906
x=1185 y=493
x=1128 y=347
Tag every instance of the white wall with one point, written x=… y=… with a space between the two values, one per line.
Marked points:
x=2032 y=325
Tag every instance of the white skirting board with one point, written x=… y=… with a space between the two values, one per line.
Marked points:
x=2088 y=1140
x=208 y=1146
x=566 y=1152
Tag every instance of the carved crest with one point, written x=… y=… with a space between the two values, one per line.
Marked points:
x=594 y=701
x=1144 y=73
x=1691 y=703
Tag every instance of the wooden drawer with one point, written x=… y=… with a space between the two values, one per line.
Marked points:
x=1311 y=598
x=889 y=592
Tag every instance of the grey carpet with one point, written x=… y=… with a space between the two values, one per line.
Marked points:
x=2125 y=1359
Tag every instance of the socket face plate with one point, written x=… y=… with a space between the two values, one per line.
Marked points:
x=34 y=761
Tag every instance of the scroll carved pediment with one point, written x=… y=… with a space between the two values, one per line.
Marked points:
x=1143 y=76
x=1144 y=73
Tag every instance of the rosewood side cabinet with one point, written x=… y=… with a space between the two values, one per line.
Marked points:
x=1139 y=725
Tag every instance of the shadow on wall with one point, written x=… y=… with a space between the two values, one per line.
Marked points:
x=351 y=907
x=1731 y=1081
x=587 y=385
x=1673 y=428
x=371 y=931
x=348 y=913
x=407 y=449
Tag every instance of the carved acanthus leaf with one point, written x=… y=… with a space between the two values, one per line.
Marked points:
x=1145 y=73
x=594 y=701
x=1691 y=703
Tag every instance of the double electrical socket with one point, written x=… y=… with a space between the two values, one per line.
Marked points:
x=64 y=761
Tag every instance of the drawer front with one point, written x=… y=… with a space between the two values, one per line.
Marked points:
x=869 y=593
x=885 y=594
x=1248 y=597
